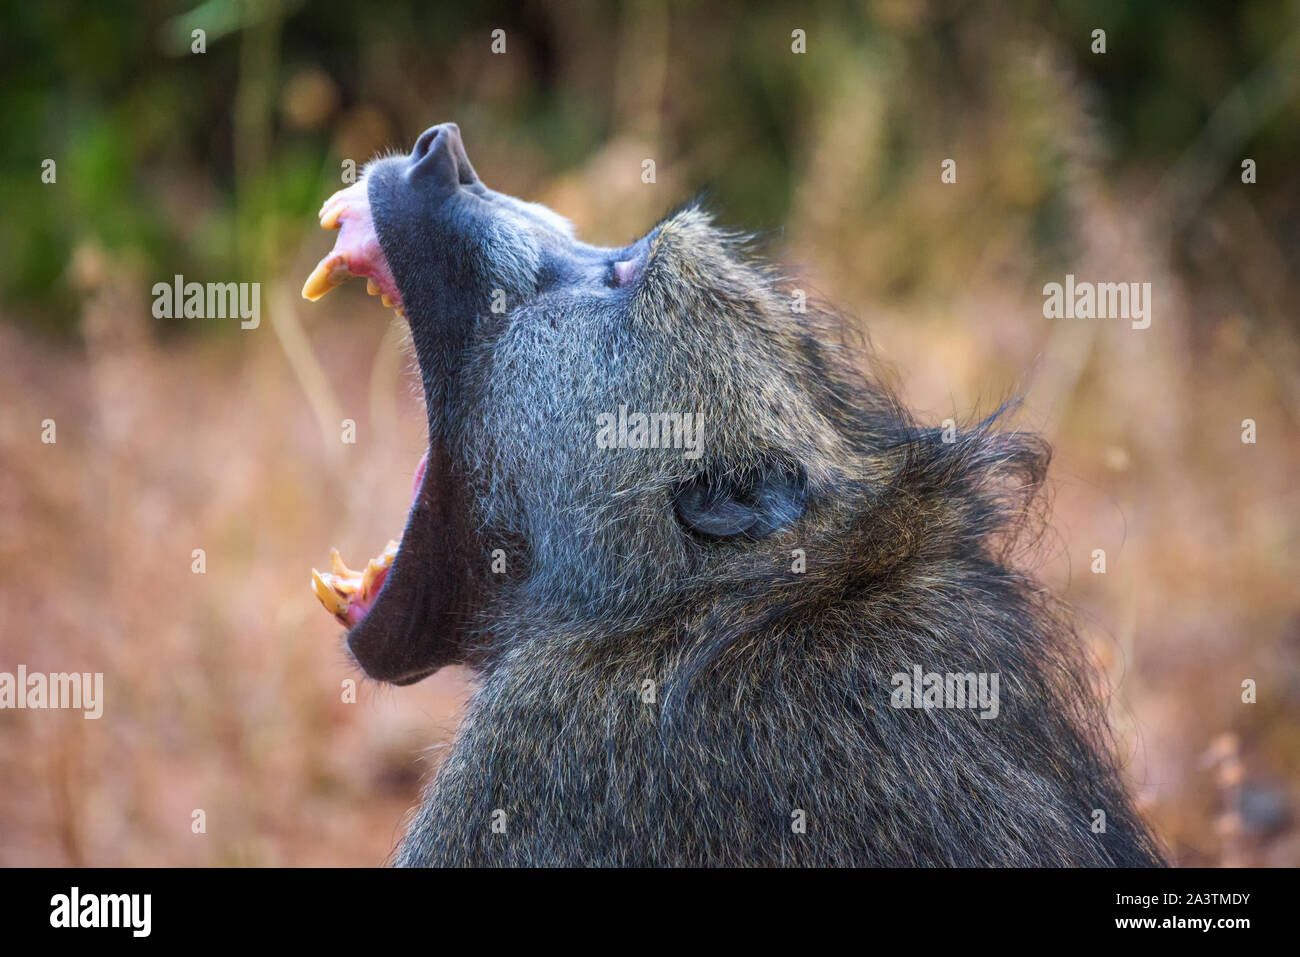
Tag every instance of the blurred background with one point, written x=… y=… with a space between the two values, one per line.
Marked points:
x=223 y=690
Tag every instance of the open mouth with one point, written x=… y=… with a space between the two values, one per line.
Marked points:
x=409 y=610
x=349 y=594
x=356 y=252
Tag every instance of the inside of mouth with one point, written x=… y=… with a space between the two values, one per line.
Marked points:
x=348 y=594
x=356 y=250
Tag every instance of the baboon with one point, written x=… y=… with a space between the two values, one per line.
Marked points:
x=700 y=653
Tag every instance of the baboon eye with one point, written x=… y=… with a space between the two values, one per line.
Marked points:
x=752 y=504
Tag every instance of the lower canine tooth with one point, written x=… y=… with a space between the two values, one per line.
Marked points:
x=334 y=602
x=337 y=565
x=368 y=581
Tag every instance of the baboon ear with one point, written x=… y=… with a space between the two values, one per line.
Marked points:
x=753 y=503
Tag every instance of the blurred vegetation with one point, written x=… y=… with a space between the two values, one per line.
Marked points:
x=177 y=157
x=223 y=688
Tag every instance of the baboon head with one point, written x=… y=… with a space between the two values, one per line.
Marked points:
x=627 y=448
x=606 y=425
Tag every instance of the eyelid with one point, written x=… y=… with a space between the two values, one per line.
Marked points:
x=627 y=271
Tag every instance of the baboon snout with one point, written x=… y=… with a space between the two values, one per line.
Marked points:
x=439 y=157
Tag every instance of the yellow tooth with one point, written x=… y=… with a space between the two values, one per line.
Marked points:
x=336 y=198
x=329 y=272
x=329 y=218
x=401 y=311
x=368 y=580
x=386 y=301
x=332 y=600
x=338 y=566
x=345 y=586
x=372 y=287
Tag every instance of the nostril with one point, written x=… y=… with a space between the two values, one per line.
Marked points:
x=439 y=154
x=435 y=155
x=424 y=142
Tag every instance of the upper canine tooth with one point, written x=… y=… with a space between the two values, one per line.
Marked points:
x=386 y=301
x=329 y=272
x=372 y=287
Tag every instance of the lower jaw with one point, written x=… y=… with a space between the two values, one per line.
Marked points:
x=348 y=594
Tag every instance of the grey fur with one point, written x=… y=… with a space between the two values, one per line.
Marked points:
x=772 y=687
